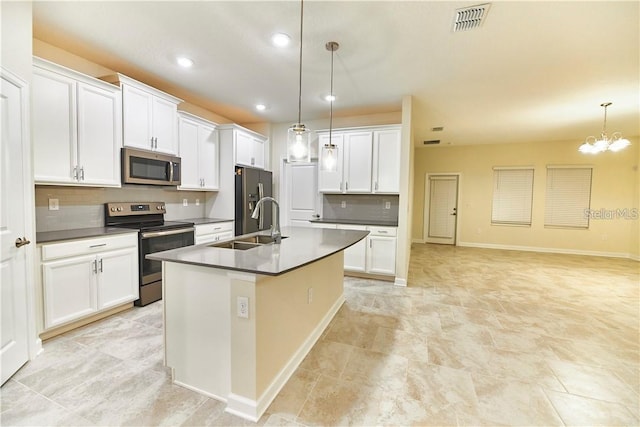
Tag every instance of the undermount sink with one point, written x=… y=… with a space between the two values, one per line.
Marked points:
x=234 y=244
x=260 y=239
x=245 y=243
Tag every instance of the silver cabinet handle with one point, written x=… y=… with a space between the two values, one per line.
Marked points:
x=82 y=173
x=376 y=187
x=100 y=265
x=346 y=186
x=75 y=173
x=22 y=241
x=98 y=245
x=94 y=266
x=152 y=143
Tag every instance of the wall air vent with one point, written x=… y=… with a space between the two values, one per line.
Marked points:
x=470 y=17
x=437 y=129
x=431 y=142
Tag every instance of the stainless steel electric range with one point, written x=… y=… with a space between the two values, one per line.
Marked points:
x=154 y=235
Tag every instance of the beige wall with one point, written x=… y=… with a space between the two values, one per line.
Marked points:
x=615 y=185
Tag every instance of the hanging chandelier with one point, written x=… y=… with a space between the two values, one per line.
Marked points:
x=298 y=135
x=592 y=145
x=329 y=154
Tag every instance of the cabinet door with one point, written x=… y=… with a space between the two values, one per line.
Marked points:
x=54 y=127
x=117 y=277
x=136 y=105
x=69 y=289
x=330 y=181
x=244 y=149
x=164 y=118
x=208 y=157
x=258 y=153
x=188 y=138
x=381 y=255
x=355 y=257
x=386 y=161
x=357 y=160
x=99 y=135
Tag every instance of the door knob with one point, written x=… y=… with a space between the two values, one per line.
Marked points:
x=22 y=241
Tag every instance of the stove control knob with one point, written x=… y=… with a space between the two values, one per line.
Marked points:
x=119 y=208
x=113 y=209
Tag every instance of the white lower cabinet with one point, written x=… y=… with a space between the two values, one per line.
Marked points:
x=208 y=233
x=376 y=254
x=83 y=277
x=355 y=256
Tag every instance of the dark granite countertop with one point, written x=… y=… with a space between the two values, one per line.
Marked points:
x=302 y=245
x=200 y=221
x=356 y=222
x=79 y=233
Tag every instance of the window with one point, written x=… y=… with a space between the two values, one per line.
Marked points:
x=512 y=196
x=568 y=197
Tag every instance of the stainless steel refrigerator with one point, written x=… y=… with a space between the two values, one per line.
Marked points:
x=251 y=185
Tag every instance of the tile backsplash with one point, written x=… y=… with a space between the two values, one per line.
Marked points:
x=367 y=207
x=83 y=207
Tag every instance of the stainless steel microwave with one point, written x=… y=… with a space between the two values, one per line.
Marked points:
x=149 y=167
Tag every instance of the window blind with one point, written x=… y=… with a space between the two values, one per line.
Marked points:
x=568 y=196
x=512 y=196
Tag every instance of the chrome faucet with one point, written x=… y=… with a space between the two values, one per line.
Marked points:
x=275 y=227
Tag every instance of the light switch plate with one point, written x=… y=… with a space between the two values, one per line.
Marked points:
x=387 y=205
x=343 y=204
x=185 y=202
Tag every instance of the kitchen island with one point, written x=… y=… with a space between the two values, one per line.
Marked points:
x=238 y=322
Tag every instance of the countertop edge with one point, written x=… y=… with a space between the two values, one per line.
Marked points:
x=43 y=237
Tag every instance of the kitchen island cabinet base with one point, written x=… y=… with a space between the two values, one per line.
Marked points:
x=245 y=361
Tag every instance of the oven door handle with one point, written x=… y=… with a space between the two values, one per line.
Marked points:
x=166 y=233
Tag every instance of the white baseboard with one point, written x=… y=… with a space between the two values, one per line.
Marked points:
x=196 y=389
x=400 y=282
x=252 y=410
x=549 y=250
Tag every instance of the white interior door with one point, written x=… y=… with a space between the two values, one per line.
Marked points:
x=14 y=345
x=441 y=209
x=302 y=192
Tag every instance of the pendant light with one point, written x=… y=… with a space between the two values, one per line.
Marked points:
x=329 y=153
x=594 y=146
x=298 y=135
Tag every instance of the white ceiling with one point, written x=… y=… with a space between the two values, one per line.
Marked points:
x=535 y=71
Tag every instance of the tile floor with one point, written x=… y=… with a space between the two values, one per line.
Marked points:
x=479 y=337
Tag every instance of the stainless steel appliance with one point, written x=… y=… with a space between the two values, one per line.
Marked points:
x=149 y=167
x=252 y=185
x=154 y=235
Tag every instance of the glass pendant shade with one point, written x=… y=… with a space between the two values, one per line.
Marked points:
x=329 y=158
x=594 y=146
x=298 y=144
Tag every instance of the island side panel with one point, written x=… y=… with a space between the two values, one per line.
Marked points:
x=288 y=323
x=197 y=327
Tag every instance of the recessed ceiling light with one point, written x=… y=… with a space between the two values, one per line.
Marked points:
x=330 y=98
x=184 y=62
x=261 y=107
x=280 y=39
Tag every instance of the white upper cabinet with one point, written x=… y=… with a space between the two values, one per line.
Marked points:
x=199 y=153
x=386 y=161
x=330 y=181
x=77 y=128
x=249 y=148
x=149 y=116
x=358 y=147
x=368 y=161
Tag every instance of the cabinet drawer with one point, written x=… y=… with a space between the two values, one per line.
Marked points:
x=87 y=246
x=382 y=231
x=218 y=227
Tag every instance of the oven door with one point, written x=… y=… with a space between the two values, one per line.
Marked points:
x=157 y=241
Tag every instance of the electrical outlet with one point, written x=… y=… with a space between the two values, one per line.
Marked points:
x=243 y=307
x=309 y=295
x=185 y=202
x=54 y=204
x=197 y=202
x=387 y=205
x=343 y=204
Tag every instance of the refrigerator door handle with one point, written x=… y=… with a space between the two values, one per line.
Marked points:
x=260 y=196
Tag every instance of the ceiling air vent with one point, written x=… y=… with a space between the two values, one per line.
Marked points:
x=431 y=142
x=471 y=17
